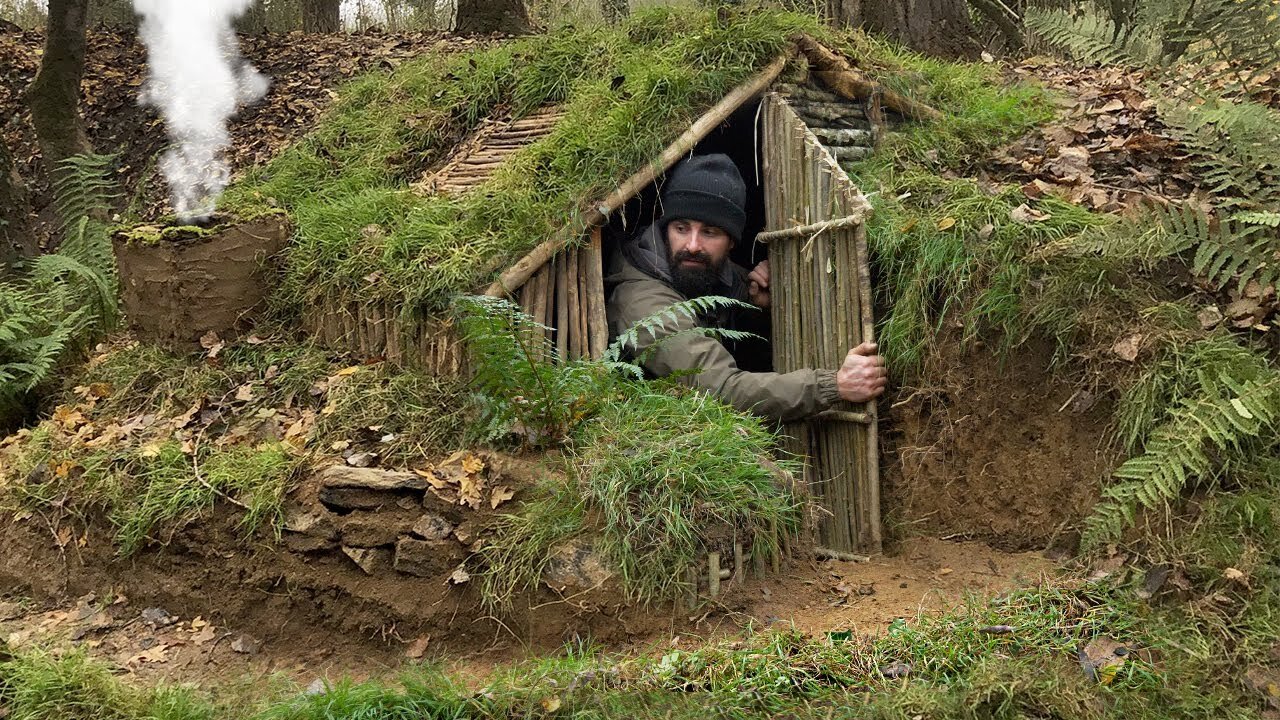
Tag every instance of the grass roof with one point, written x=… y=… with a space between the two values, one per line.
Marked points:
x=628 y=91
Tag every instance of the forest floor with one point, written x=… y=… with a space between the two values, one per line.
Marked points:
x=974 y=610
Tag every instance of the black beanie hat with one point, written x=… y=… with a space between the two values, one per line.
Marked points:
x=707 y=188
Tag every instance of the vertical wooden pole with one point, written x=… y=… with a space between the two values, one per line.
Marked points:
x=597 y=322
x=573 y=311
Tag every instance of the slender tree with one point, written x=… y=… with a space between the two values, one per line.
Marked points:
x=321 y=16
x=487 y=16
x=614 y=11
x=941 y=27
x=54 y=95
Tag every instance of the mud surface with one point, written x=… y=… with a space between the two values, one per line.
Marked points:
x=211 y=617
x=995 y=451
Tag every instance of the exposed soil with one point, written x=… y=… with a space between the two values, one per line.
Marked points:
x=998 y=451
x=192 y=613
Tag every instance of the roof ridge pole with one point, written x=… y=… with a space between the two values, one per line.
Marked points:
x=517 y=274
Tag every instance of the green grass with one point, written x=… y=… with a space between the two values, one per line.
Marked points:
x=1175 y=670
x=649 y=477
x=153 y=481
x=364 y=235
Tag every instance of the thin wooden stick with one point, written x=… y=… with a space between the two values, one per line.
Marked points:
x=573 y=343
x=812 y=229
x=561 y=276
x=518 y=273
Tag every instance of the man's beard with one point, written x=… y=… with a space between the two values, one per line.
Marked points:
x=695 y=282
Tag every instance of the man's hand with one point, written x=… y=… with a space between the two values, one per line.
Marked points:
x=863 y=376
x=758 y=285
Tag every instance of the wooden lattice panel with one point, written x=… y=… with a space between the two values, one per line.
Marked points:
x=486 y=150
x=821 y=307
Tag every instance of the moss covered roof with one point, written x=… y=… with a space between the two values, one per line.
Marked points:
x=627 y=92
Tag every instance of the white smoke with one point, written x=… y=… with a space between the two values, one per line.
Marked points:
x=197 y=78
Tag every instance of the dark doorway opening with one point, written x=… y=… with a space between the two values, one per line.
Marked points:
x=739 y=138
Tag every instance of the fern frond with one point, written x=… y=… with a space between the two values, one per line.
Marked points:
x=1186 y=448
x=82 y=188
x=1089 y=38
x=1226 y=251
x=1265 y=219
x=674 y=320
x=1235 y=149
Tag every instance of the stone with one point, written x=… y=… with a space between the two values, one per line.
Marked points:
x=464 y=532
x=370 y=560
x=427 y=558
x=577 y=565
x=301 y=543
x=432 y=527
x=352 y=488
x=342 y=476
x=371 y=530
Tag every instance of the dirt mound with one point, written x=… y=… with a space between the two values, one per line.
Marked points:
x=364 y=552
x=998 y=451
x=304 y=70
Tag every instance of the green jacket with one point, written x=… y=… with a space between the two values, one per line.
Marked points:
x=638 y=283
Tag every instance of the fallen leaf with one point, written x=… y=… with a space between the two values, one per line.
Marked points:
x=500 y=494
x=1127 y=348
x=551 y=704
x=344 y=372
x=212 y=343
x=205 y=635
x=460 y=575
x=946 y=223
x=185 y=418
x=418 y=647
x=156 y=654
x=987 y=57
x=244 y=393
x=1026 y=215
x=473 y=464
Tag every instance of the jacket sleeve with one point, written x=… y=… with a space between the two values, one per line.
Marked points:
x=709 y=366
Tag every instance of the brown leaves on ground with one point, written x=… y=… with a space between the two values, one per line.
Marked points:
x=305 y=72
x=461 y=479
x=1107 y=150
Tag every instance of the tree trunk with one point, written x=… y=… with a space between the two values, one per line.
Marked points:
x=940 y=27
x=614 y=11
x=253 y=21
x=14 y=240
x=54 y=96
x=490 y=16
x=321 y=16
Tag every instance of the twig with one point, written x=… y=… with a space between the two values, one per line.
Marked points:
x=195 y=467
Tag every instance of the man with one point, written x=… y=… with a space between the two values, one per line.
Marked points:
x=685 y=254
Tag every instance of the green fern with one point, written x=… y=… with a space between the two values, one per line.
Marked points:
x=82 y=188
x=1198 y=410
x=1265 y=219
x=523 y=385
x=64 y=299
x=1234 y=148
x=1226 y=251
x=650 y=333
x=1185 y=450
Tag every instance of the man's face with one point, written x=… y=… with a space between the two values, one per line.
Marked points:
x=697 y=253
